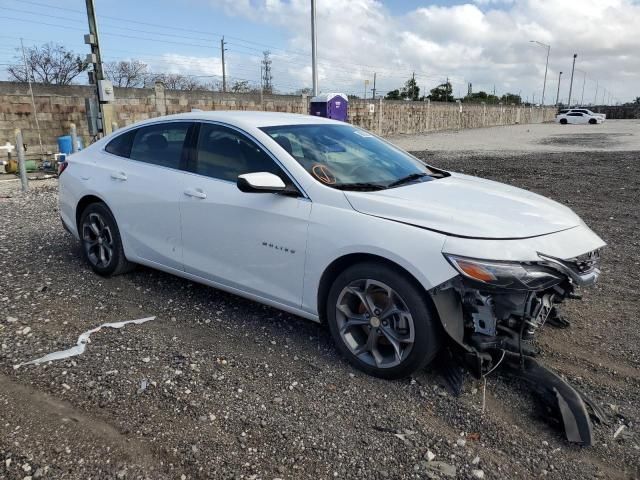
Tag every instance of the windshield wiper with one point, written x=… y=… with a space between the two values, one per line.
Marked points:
x=407 y=179
x=359 y=186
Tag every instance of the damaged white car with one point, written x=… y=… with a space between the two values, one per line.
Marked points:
x=324 y=220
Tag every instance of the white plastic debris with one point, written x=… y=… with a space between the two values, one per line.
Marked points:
x=618 y=431
x=81 y=344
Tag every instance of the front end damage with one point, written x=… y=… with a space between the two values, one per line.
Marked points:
x=493 y=310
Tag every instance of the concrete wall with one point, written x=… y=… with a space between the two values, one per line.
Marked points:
x=58 y=106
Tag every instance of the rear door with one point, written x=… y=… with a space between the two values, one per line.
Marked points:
x=254 y=242
x=144 y=176
x=575 y=117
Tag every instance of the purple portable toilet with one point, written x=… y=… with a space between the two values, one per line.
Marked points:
x=330 y=105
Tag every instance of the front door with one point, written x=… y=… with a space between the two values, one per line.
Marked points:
x=254 y=242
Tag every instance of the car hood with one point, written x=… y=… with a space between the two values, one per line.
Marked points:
x=466 y=206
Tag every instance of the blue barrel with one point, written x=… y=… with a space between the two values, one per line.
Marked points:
x=64 y=144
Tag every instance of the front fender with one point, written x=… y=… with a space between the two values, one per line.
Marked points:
x=336 y=232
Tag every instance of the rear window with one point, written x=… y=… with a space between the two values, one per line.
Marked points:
x=160 y=144
x=121 y=145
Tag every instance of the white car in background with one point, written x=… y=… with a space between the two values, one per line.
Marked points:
x=583 y=110
x=578 y=118
x=329 y=222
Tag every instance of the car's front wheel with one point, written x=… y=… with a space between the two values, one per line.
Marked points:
x=381 y=321
x=101 y=241
x=563 y=121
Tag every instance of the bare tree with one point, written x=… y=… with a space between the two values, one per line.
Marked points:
x=241 y=86
x=175 y=81
x=131 y=73
x=49 y=64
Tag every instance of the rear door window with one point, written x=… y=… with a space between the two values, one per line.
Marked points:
x=161 y=144
x=121 y=145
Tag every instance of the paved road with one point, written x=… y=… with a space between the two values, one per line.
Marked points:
x=613 y=135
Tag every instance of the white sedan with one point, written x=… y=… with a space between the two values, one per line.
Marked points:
x=584 y=110
x=579 y=118
x=329 y=222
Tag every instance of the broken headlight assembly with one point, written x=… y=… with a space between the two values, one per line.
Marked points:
x=508 y=275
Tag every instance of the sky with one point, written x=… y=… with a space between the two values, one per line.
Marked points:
x=483 y=42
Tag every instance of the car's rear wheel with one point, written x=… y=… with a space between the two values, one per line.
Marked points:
x=563 y=121
x=101 y=241
x=593 y=121
x=381 y=321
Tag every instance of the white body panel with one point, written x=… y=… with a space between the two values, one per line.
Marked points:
x=578 y=118
x=243 y=239
x=274 y=248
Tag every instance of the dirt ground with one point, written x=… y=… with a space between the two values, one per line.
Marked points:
x=236 y=390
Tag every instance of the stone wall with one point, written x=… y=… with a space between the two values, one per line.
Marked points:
x=58 y=106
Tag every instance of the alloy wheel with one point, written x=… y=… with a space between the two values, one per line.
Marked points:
x=98 y=240
x=375 y=323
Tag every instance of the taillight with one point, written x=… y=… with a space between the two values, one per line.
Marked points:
x=62 y=166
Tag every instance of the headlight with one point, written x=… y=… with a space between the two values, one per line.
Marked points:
x=510 y=275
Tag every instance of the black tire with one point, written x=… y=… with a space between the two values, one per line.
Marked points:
x=110 y=259
x=427 y=337
x=593 y=121
x=563 y=121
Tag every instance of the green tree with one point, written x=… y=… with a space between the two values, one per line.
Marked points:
x=510 y=98
x=411 y=90
x=442 y=93
x=478 y=97
x=393 y=95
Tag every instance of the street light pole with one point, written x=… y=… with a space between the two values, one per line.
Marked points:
x=571 y=83
x=558 y=94
x=546 y=67
x=584 y=80
x=314 y=66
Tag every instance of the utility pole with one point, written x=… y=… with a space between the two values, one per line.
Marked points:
x=314 y=66
x=27 y=71
x=373 y=90
x=595 y=100
x=571 y=83
x=93 y=40
x=546 y=67
x=558 y=94
x=584 y=80
x=366 y=83
x=224 y=71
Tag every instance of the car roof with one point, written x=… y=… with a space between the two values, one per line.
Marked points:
x=245 y=118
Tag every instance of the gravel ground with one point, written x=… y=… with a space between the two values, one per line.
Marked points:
x=220 y=387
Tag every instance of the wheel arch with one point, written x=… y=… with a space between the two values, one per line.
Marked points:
x=83 y=203
x=340 y=264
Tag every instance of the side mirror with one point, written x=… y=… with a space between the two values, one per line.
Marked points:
x=260 y=182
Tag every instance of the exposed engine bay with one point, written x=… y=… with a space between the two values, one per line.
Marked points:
x=493 y=311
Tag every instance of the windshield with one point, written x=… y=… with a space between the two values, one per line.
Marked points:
x=346 y=157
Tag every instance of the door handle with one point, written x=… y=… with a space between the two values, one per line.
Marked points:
x=118 y=175
x=196 y=193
